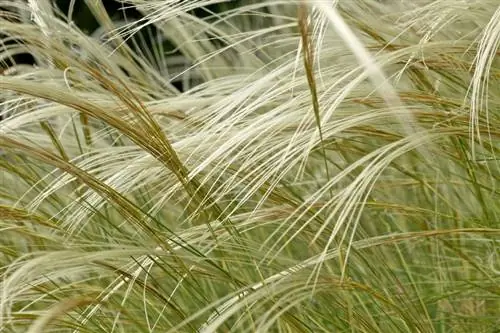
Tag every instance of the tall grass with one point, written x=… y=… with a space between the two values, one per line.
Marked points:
x=333 y=168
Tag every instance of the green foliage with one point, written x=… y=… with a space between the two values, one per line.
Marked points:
x=333 y=168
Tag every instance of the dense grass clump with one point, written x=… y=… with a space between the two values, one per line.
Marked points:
x=313 y=166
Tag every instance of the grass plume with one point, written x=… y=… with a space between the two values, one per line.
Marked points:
x=326 y=166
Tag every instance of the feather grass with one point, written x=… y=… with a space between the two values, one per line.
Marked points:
x=331 y=170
